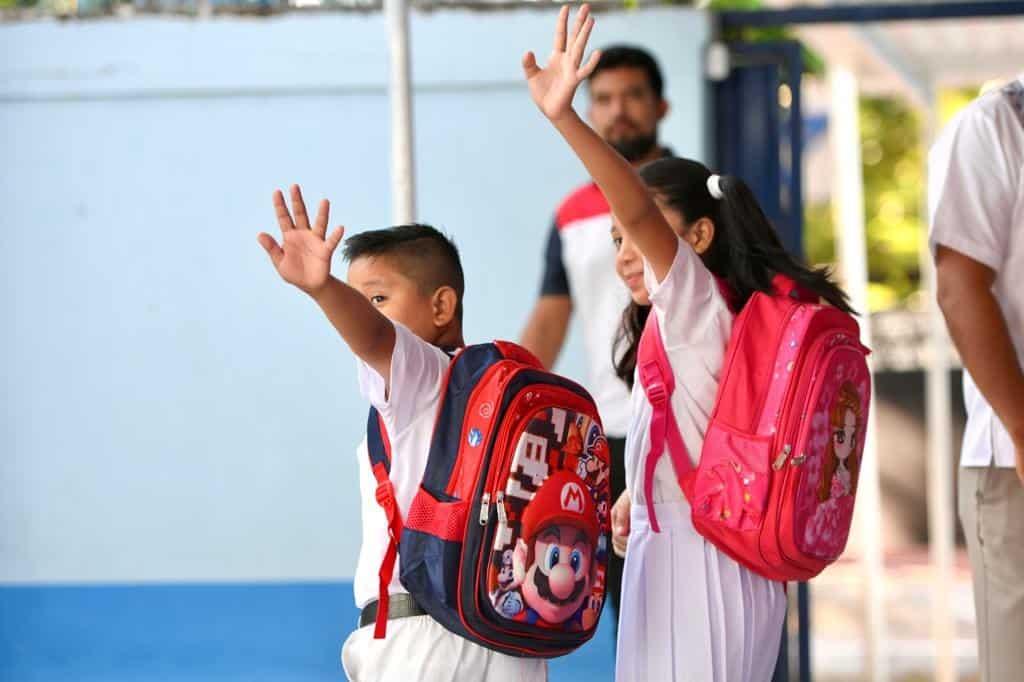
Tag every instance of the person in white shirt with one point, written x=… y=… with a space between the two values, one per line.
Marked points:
x=401 y=308
x=976 y=202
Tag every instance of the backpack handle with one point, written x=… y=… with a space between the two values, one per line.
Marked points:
x=787 y=286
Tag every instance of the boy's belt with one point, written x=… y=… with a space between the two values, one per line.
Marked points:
x=399 y=606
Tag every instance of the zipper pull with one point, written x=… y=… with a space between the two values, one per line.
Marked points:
x=485 y=508
x=499 y=502
x=781 y=459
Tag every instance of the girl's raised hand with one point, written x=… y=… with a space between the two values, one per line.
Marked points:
x=304 y=257
x=552 y=88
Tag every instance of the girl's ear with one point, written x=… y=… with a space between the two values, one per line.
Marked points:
x=445 y=305
x=701 y=234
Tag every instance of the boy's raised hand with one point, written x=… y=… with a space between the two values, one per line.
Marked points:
x=553 y=87
x=304 y=257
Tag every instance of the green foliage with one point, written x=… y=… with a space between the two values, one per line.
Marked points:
x=893 y=169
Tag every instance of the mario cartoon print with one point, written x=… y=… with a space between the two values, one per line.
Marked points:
x=554 y=509
x=554 y=563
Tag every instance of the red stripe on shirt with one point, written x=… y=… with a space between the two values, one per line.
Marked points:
x=586 y=202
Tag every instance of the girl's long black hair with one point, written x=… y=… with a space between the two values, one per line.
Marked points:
x=745 y=253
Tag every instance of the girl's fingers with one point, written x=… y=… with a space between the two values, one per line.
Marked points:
x=270 y=245
x=284 y=218
x=581 y=17
x=299 y=208
x=563 y=16
x=580 y=46
x=322 y=214
x=530 y=67
x=619 y=546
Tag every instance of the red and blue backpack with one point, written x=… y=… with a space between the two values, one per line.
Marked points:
x=506 y=542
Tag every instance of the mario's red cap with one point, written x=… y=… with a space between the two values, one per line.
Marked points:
x=563 y=499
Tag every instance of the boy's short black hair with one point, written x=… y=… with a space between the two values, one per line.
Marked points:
x=630 y=56
x=428 y=257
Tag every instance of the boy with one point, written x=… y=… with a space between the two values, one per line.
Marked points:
x=401 y=307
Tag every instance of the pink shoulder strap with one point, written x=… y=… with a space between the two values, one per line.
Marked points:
x=658 y=381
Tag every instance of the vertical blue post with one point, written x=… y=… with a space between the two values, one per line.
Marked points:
x=761 y=142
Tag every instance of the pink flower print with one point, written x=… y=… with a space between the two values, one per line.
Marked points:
x=838 y=489
x=736 y=498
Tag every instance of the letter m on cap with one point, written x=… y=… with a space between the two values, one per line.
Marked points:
x=572 y=498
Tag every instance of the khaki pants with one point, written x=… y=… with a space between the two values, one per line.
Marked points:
x=992 y=513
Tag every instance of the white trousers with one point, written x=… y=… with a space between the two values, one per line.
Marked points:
x=419 y=649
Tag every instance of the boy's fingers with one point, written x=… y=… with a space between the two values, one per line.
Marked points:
x=322 y=214
x=589 y=67
x=270 y=245
x=530 y=67
x=581 y=42
x=335 y=238
x=299 y=209
x=563 y=16
x=284 y=219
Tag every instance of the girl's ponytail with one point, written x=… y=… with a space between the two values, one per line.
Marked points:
x=746 y=251
x=756 y=252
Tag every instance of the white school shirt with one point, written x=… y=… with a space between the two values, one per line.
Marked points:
x=417 y=372
x=695 y=323
x=976 y=204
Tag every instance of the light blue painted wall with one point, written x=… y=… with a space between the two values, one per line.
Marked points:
x=169 y=410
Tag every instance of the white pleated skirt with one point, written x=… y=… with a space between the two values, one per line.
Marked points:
x=689 y=612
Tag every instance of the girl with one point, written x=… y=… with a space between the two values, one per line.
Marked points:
x=839 y=475
x=689 y=612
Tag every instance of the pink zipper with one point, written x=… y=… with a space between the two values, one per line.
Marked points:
x=783 y=440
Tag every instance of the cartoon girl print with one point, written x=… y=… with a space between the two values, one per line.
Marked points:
x=825 y=532
x=839 y=475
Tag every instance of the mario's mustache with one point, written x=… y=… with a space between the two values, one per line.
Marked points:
x=544 y=589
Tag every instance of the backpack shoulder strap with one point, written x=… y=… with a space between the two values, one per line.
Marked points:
x=658 y=381
x=379 y=448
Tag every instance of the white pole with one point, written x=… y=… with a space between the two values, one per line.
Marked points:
x=848 y=197
x=940 y=450
x=403 y=190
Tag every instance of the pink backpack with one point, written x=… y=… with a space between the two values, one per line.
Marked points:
x=777 y=476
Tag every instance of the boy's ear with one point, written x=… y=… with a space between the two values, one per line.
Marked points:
x=663 y=109
x=445 y=306
x=701 y=234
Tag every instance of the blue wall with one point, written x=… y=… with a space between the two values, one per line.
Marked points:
x=171 y=412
